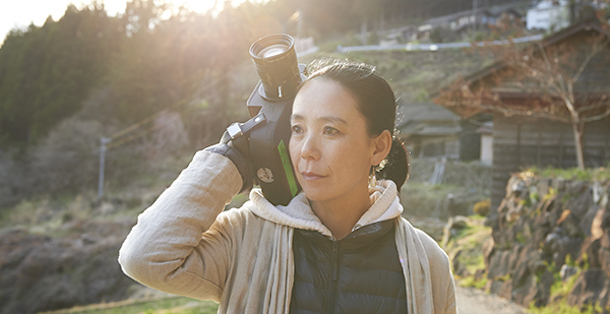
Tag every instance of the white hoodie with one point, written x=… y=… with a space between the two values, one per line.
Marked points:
x=242 y=258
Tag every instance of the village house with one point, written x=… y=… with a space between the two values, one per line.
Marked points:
x=428 y=130
x=524 y=133
x=468 y=20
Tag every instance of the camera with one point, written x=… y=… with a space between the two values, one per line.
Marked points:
x=270 y=107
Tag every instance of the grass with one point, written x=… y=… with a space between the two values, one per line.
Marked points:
x=471 y=282
x=562 y=307
x=411 y=72
x=469 y=241
x=168 y=305
x=588 y=174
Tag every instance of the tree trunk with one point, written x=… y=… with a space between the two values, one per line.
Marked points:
x=578 y=129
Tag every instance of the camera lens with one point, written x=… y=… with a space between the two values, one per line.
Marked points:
x=272 y=51
x=276 y=63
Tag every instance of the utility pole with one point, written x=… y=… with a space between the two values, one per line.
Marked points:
x=100 y=185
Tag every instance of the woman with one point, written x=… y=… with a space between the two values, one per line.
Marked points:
x=340 y=246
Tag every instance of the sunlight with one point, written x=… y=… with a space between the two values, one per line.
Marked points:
x=202 y=6
x=195 y=5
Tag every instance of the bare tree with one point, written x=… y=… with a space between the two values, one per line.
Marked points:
x=554 y=78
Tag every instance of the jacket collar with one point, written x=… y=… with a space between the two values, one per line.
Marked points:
x=298 y=213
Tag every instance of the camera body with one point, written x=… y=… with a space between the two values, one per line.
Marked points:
x=271 y=102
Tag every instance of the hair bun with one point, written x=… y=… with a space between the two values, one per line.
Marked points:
x=398 y=164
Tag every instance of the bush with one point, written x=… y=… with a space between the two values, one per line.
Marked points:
x=482 y=208
x=69 y=156
x=12 y=178
x=170 y=136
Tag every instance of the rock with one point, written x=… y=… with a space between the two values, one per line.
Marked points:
x=606 y=217
x=526 y=291
x=566 y=246
x=596 y=230
x=453 y=225
x=579 y=204
x=573 y=220
x=479 y=274
x=570 y=224
x=576 y=187
x=459 y=269
x=587 y=288
x=506 y=290
x=604 y=260
x=488 y=250
x=516 y=187
x=543 y=226
x=605 y=239
x=560 y=184
x=588 y=256
x=498 y=265
x=496 y=285
x=543 y=187
x=567 y=272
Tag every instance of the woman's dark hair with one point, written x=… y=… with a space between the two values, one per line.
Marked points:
x=376 y=101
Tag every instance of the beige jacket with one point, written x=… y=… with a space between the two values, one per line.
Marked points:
x=242 y=258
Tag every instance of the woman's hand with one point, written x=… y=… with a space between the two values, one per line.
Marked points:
x=237 y=150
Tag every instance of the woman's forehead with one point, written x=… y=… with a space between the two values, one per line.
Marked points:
x=323 y=92
x=325 y=101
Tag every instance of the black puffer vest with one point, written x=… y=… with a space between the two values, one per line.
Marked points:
x=360 y=273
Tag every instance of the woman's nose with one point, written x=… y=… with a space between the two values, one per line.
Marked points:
x=310 y=148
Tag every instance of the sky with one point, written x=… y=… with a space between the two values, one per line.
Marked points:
x=21 y=13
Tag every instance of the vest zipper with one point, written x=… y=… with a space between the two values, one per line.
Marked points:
x=333 y=278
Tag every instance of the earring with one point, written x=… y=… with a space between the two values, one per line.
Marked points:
x=373 y=177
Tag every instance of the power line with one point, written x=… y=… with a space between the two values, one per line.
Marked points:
x=145 y=120
x=126 y=140
x=149 y=119
x=173 y=106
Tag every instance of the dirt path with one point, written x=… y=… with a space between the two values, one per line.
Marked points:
x=471 y=300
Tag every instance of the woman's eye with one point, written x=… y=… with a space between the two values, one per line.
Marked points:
x=296 y=129
x=330 y=130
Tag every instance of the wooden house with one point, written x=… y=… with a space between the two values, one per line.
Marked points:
x=428 y=130
x=534 y=137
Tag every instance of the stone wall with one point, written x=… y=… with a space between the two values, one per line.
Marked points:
x=547 y=234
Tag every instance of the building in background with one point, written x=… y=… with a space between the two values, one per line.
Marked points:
x=549 y=15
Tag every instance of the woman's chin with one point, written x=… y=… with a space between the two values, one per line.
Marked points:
x=316 y=194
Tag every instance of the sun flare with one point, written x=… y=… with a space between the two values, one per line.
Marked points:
x=195 y=5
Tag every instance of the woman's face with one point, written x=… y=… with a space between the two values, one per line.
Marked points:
x=330 y=147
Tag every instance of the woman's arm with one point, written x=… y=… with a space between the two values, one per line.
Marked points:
x=165 y=250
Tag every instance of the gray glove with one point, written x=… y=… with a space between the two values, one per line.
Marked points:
x=235 y=144
x=237 y=150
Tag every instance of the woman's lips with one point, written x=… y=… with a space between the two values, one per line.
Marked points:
x=309 y=176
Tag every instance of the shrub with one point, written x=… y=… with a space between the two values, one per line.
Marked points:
x=482 y=208
x=69 y=156
x=170 y=136
x=13 y=180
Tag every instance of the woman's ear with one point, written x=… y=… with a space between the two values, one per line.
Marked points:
x=382 y=144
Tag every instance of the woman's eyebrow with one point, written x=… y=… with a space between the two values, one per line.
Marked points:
x=333 y=119
x=297 y=117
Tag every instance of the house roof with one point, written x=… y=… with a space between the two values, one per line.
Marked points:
x=426 y=119
x=591 y=24
x=550 y=40
x=428 y=112
x=490 y=11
